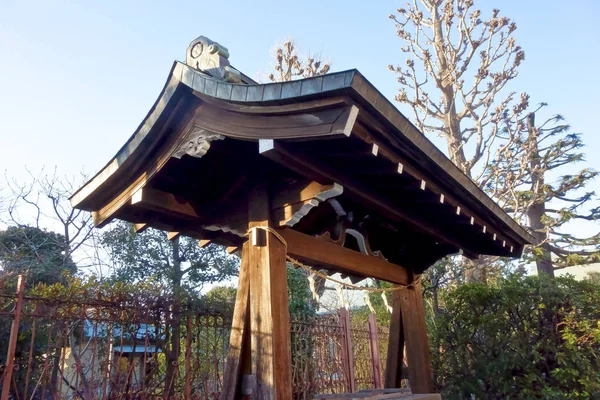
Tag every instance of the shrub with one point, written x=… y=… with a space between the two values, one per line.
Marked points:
x=525 y=338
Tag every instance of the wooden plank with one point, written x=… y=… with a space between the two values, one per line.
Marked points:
x=395 y=355
x=204 y=243
x=420 y=374
x=332 y=255
x=239 y=331
x=269 y=315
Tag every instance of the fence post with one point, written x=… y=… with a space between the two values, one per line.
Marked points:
x=348 y=351
x=374 y=349
x=12 y=342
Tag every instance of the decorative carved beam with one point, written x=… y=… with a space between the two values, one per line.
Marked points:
x=331 y=255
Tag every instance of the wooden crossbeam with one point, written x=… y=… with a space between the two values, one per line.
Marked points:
x=288 y=206
x=329 y=254
x=163 y=202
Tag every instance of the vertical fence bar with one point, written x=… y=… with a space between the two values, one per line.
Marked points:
x=348 y=351
x=14 y=333
x=374 y=349
x=187 y=391
x=31 y=347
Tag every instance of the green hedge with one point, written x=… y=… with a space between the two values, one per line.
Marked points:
x=525 y=338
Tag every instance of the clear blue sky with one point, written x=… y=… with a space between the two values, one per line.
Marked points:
x=77 y=77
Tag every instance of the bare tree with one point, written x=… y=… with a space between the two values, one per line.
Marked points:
x=43 y=202
x=522 y=177
x=457 y=68
x=289 y=65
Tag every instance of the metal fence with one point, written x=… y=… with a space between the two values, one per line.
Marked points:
x=64 y=349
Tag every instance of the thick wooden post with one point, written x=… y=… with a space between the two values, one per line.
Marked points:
x=240 y=326
x=420 y=375
x=395 y=356
x=12 y=341
x=269 y=314
x=374 y=349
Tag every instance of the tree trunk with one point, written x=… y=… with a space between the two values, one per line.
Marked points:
x=543 y=257
x=475 y=270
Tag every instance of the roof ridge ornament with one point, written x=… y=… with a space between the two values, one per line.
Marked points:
x=212 y=58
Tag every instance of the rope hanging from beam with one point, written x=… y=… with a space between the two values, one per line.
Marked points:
x=320 y=274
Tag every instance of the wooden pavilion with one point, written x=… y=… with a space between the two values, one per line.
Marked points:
x=323 y=169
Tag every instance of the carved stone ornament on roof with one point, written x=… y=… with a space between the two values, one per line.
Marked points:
x=197 y=143
x=207 y=56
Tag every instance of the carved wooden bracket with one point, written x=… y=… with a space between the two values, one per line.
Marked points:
x=345 y=226
x=197 y=143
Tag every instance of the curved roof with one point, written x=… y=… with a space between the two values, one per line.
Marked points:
x=280 y=115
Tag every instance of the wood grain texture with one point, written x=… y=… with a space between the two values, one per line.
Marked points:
x=329 y=254
x=395 y=355
x=240 y=326
x=420 y=374
x=269 y=315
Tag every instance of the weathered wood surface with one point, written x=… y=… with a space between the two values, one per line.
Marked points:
x=395 y=355
x=269 y=315
x=329 y=254
x=240 y=327
x=420 y=374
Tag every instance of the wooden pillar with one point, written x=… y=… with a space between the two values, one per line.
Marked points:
x=395 y=356
x=269 y=314
x=238 y=340
x=420 y=375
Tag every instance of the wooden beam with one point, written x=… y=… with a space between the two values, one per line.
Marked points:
x=173 y=235
x=232 y=249
x=139 y=228
x=332 y=255
x=204 y=243
x=240 y=327
x=420 y=374
x=269 y=315
x=164 y=202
